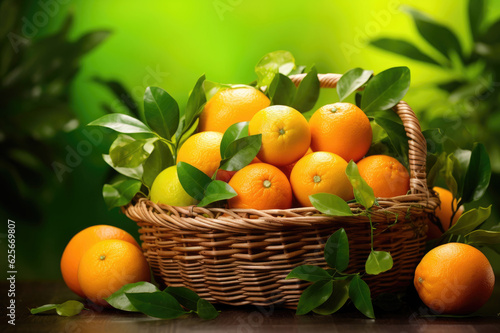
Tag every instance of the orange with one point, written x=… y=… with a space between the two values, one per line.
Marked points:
x=261 y=186
x=202 y=150
x=287 y=169
x=341 y=128
x=80 y=243
x=454 y=278
x=285 y=134
x=109 y=265
x=443 y=213
x=231 y=106
x=385 y=175
x=320 y=172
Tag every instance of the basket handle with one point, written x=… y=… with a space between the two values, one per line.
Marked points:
x=417 y=153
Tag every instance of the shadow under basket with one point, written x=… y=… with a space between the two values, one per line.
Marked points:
x=242 y=256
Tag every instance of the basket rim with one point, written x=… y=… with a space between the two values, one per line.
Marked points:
x=420 y=200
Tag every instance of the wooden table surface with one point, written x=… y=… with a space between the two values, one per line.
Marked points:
x=231 y=319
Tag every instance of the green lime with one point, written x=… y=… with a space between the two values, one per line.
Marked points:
x=167 y=189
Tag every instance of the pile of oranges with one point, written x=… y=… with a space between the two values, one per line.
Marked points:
x=297 y=158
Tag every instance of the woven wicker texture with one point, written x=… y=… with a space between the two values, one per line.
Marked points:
x=242 y=256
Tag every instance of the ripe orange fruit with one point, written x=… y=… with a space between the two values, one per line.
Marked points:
x=341 y=128
x=202 y=150
x=231 y=106
x=285 y=134
x=454 y=278
x=261 y=186
x=109 y=265
x=320 y=172
x=385 y=175
x=80 y=243
x=443 y=213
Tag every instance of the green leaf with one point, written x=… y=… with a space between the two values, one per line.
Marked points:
x=437 y=35
x=157 y=304
x=397 y=135
x=233 y=133
x=492 y=35
x=196 y=101
x=403 y=48
x=193 y=180
x=476 y=16
x=337 y=299
x=307 y=92
x=483 y=237
x=448 y=173
x=314 y=295
x=330 y=204
x=217 y=190
x=161 y=112
x=272 y=63
x=120 y=193
x=206 y=310
x=43 y=308
x=211 y=88
x=120 y=301
x=359 y=293
x=351 y=81
x=378 y=262
x=337 y=250
x=127 y=152
x=159 y=159
x=478 y=174
x=121 y=123
x=469 y=221
x=309 y=273
x=186 y=297
x=282 y=90
x=241 y=152
x=135 y=173
x=362 y=191
x=385 y=89
x=69 y=308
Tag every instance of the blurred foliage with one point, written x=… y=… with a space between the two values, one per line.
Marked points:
x=34 y=99
x=471 y=111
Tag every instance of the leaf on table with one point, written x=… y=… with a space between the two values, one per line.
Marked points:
x=157 y=304
x=186 y=297
x=314 y=295
x=351 y=81
x=339 y=296
x=359 y=293
x=309 y=273
x=161 y=112
x=120 y=301
x=337 y=250
x=206 y=310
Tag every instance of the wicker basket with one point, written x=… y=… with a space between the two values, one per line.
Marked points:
x=242 y=256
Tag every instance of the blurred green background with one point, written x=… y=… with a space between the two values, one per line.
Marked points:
x=52 y=87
